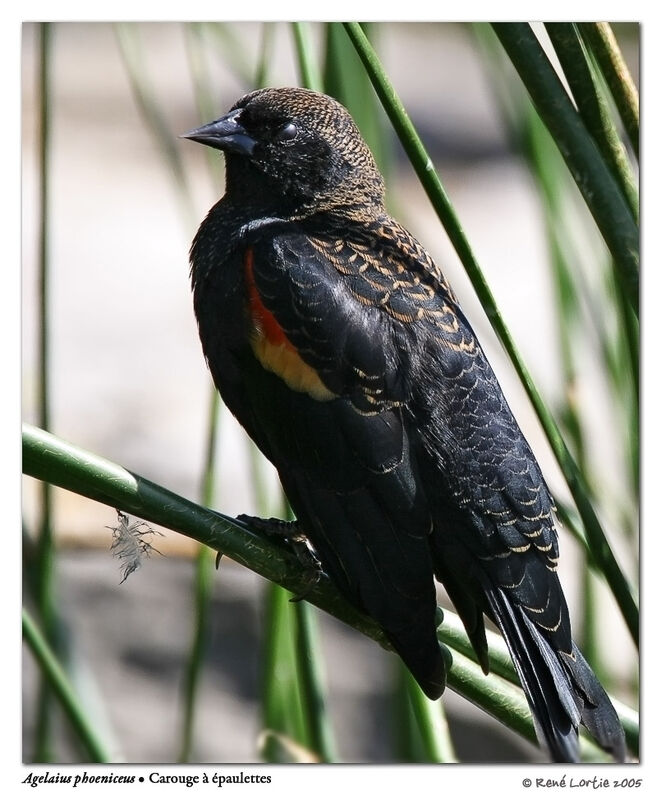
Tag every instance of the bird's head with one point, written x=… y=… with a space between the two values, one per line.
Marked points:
x=294 y=148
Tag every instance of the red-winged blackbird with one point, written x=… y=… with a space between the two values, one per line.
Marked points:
x=338 y=344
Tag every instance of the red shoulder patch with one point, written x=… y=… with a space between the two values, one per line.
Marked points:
x=262 y=318
x=273 y=348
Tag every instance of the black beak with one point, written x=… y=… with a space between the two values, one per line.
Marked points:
x=225 y=133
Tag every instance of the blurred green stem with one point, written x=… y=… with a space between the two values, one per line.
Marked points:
x=600 y=548
x=595 y=181
x=432 y=725
x=204 y=569
x=282 y=714
x=311 y=683
x=592 y=106
x=45 y=546
x=206 y=101
x=307 y=66
x=53 y=673
x=589 y=637
x=265 y=54
x=130 y=47
x=203 y=581
x=603 y=44
x=347 y=81
x=294 y=707
x=232 y=50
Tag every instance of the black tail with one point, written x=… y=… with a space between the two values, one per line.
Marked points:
x=561 y=689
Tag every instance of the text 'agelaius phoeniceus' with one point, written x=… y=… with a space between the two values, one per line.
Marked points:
x=339 y=346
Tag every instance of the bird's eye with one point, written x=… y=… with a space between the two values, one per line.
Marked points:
x=287 y=132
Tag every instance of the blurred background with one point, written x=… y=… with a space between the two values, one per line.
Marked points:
x=127 y=379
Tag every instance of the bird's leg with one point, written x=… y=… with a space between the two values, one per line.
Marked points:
x=292 y=534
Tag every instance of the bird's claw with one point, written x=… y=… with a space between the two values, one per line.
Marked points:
x=290 y=532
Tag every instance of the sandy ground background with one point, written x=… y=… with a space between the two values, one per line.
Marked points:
x=129 y=381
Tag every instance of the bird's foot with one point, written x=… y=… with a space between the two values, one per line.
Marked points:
x=291 y=533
